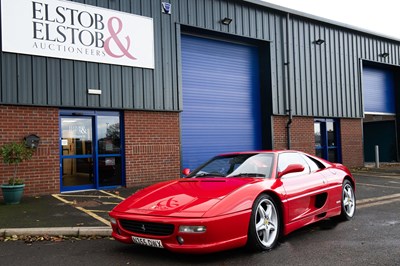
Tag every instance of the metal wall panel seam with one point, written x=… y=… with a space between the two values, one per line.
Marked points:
x=127 y=87
x=53 y=81
x=67 y=78
x=174 y=61
x=24 y=79
x=116 y=86
x=80 y=85
x=39 y=84
x=161 y=48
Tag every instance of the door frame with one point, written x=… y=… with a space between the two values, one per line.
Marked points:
x=93 y=114
x=324 y=148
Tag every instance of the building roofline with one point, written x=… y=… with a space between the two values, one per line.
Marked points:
x=320 y=19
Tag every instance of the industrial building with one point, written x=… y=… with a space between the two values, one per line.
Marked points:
x=130 y=92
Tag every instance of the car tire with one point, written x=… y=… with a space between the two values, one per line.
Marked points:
x=348 y=202
x=265 y=224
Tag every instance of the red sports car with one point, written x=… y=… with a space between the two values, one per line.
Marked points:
x=236 y=199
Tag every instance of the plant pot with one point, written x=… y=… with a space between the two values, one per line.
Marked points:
x=12 y=194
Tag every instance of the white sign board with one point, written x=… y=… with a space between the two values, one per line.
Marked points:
x=64 y=29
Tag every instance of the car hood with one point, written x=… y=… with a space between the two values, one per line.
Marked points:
x=183 y=197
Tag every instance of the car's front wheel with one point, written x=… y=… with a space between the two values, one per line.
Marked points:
x=264 y=228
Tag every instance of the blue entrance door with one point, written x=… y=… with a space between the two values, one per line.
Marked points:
x=327 y=140
x=91 y=154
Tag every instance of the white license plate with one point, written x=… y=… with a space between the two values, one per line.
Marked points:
x=147 y=242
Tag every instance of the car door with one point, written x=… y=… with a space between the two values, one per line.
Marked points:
x=305 y=191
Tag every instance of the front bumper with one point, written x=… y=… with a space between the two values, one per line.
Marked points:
x=223 y=232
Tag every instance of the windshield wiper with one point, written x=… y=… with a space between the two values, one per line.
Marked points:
x=248 y=175
x=209 y=175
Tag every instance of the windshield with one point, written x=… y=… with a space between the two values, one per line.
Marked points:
x=238 y=165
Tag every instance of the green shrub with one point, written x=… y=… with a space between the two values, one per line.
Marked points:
x=14 y=153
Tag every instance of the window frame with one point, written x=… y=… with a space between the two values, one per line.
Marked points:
x=325 y=147
x=290 y=175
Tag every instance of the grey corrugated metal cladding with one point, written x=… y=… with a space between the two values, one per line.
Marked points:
x=324 y=78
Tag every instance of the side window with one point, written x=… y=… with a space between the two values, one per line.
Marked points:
x=285 y=159
x=314 y=165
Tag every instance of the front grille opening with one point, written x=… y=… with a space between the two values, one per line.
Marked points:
x=148 y=228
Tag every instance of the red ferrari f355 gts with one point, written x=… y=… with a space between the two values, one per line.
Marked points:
x=237 y=199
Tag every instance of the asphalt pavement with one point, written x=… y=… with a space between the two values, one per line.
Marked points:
x=86 y=213
x=68 y=214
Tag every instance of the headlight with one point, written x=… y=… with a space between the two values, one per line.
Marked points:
x=113 y=221
x=192 y=229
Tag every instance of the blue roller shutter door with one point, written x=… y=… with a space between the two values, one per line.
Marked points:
x=221 y=99
x=378 y=87
x=379 y=98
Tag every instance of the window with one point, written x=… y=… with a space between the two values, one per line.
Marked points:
x=238 y=165
x=288 y=158
x=327 y=141
x=314 y=165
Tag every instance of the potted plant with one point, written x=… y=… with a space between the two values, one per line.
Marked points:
x=13 y=154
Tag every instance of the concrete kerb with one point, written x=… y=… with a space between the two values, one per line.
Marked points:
x=58 y=231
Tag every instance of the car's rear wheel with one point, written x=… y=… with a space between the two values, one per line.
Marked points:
x=264 y=228
x=348 y=201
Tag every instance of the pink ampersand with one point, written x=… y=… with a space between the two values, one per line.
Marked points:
x=114 y=37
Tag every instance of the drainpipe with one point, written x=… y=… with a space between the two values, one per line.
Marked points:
x=288 y=131
x=288 y=93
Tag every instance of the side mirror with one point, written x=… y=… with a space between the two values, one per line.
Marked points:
x=292 y=168
x=186 y=171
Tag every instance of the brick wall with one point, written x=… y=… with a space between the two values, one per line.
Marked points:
x=302 y=134
x=302 y=137
x=352 y=142
x=152 y=144
x=152 y=141
x=41 y=174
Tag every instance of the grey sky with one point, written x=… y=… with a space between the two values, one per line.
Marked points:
x=381 y=16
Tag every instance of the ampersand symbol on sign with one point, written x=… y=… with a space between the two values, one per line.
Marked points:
x=114 y=37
